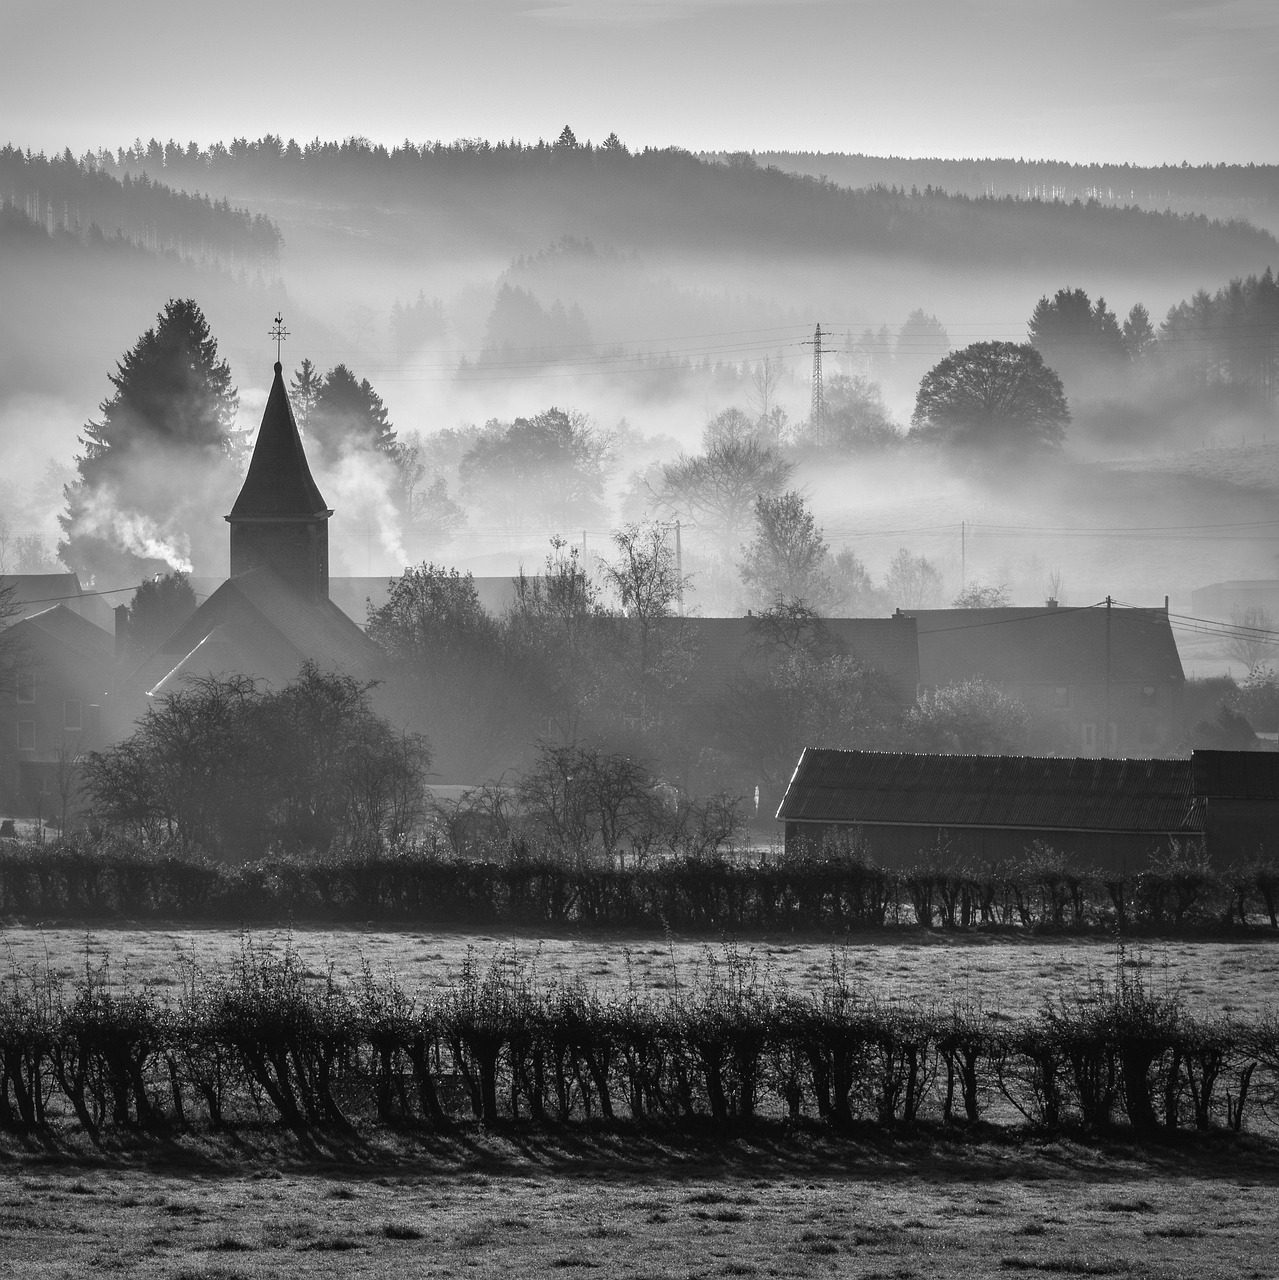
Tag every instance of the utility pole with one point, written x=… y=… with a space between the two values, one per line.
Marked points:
x=1106 y=728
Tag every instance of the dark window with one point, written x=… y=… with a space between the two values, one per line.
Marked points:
x=1061 y=696
x=1089 y=736
x=26 y=735
x=26 y=686
x=1146 y=734
x=72 y=715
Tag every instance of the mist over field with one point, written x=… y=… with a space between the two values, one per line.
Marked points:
x=644 y=292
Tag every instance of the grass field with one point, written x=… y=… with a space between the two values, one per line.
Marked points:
x=1007 y=975
x=626 y=1206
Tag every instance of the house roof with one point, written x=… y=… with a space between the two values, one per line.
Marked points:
x=1022 y=792
x=269 y=628
x=40 y=589
x=279 y=482
x=67 y=627
x=725 y=647
x=1049 y=645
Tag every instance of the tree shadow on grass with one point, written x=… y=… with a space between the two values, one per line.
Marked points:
x=620 y=1152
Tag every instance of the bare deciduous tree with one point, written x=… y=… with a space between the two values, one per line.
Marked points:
x=1253 y=638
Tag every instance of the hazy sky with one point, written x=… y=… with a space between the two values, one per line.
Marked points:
x=1141 y=80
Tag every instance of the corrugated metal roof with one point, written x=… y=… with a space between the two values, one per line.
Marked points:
x=1051 y=646
x=852 y=787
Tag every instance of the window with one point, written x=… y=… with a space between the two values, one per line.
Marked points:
x=26 y=686
x=72 y=715
x=1148 y=695
x=26 y=735
x=1146 y=734
x=1089 y=735
x=1061 y=696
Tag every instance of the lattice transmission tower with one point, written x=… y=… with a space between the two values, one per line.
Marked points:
x=817 y=410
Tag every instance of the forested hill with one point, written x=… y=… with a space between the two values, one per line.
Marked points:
x=514 y=197
x=74 y=300
x=79 y=197
x=1222 y=191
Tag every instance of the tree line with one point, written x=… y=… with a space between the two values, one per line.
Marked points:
x=714 y=204
x=79 y=195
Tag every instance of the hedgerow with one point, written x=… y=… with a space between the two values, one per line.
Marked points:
x=520 y=884
x=267 y=1041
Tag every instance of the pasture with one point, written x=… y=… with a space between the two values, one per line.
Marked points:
x=765 y=1199
x=1010 y=975
x=541 y=1207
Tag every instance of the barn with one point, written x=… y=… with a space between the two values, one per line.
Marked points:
x=1109 y=813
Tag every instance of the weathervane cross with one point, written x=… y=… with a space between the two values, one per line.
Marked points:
x=279 y=333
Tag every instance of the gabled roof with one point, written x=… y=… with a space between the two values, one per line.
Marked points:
x=728 y=647
x=230 y=649
x=41 y=588
x=269 y=627
x=278 y=483
x=853 y=787
x=71 y=630
x=1050 y=645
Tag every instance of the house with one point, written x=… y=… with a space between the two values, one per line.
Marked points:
x=1096 y=681
x=31 y=593
x=1109 y=813
x=273 y=613
x=54 y=710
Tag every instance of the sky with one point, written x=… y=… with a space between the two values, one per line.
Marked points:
x=1144 y=81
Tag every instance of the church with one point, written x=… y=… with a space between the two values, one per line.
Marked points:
x=273 y=613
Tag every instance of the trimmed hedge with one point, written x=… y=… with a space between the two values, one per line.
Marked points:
x=83 y=879
x=265 y=1040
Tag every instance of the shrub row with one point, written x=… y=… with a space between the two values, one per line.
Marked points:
x=81 y=878
x=267 y=1040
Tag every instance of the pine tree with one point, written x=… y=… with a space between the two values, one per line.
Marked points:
x=161 y=450
x=348 y=415
x=304 y=391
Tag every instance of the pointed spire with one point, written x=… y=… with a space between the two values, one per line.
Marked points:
x=279 y=482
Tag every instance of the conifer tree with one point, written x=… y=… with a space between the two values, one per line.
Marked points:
x=348 y=415
x=160 y=451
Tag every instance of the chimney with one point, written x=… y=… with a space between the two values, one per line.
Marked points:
x=121 y=631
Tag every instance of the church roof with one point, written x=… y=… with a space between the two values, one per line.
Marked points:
x=257 y=624
x=279 y=482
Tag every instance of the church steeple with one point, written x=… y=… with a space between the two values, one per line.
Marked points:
x=280 y=520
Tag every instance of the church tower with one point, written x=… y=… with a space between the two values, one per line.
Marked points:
x=280 y=520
